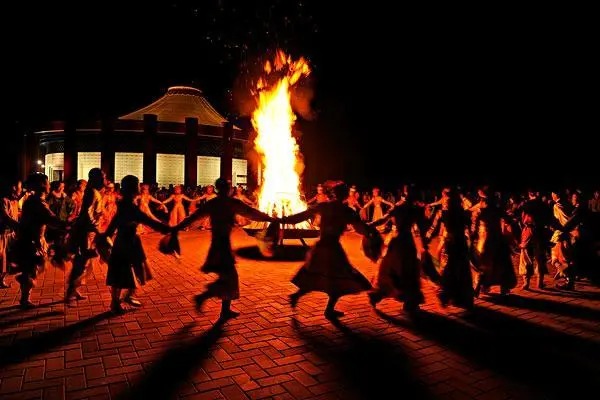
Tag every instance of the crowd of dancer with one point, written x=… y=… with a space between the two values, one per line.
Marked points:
x=463 y=243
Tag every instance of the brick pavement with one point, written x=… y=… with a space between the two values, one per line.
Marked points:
x=535 y=344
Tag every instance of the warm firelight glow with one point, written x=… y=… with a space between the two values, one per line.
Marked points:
x=280 y=156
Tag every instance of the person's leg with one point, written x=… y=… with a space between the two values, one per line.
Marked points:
x=330 y=311
x=3 y=263
x=75 y=278
x=294 y=297
x=131 y=299
x=226 y=311
x=26 y=283
x=115 y=305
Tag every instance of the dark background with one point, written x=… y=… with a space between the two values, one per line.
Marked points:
x=433 y=95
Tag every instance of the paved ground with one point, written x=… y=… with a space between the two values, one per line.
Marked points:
x=536 y=344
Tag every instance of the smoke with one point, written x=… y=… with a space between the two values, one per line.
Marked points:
x=245 y=94
x=301 y=98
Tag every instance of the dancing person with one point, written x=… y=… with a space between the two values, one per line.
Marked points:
x=9 y=223
x=143 y=201
x=492 y=254
x=86 y=226
x=178 y=211
x=453 y=252
x=534 y=217
x=127 y=262
x=29 y=247
x=220 y=259
x=375 y=209
x=399 y=273
x=327 y=268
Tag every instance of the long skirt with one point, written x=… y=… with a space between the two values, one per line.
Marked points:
x=328 y=270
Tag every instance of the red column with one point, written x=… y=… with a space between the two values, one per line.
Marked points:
x=150 y=131
x=227 y=152
x=191 y=145
x=70 y=157
x=107 y=160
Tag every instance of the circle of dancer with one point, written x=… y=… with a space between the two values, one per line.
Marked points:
x=466 y=243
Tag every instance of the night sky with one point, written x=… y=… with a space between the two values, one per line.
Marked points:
x=430 y=96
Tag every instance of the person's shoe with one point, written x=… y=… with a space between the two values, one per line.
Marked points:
x=199 y=300
x=410 y=308
x=79 y=296
x=374 y=299
x=444 y=300
x=294 y=299
x=229 y=314
x=132 y=301
x=541 y=282
x=333 y=314
x=115 y=308
x=26 y=305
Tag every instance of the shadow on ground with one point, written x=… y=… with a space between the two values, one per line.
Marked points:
x=175 y=367
x=549 y=363
x=545 y=305
x=282 y=253
x=370 y=368
x=20 y=350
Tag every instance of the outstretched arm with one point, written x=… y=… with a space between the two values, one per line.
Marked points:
x=201 y=211
x=170 y=199
x=383 y=219
x=249 y=212
x=388 y=203
x=301 y=216
x=359 y=225
x=155 y=224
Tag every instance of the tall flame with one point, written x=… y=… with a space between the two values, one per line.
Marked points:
x=273 y=119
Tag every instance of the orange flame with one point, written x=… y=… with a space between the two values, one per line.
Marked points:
x=273 y=119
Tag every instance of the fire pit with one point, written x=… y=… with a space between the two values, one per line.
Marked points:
x=281 y=161
x=300 y=231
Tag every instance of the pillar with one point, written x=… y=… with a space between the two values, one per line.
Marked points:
x=191 y=145
x=28 y=159
x=150 y=131
x=107 y=158
x=253 y=166
x=227 y=152
x=70 y=148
